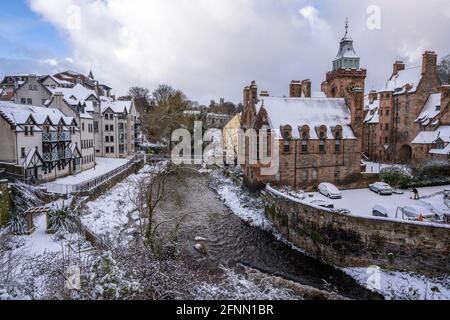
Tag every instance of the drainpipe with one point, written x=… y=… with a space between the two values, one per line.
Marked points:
x=295 y=165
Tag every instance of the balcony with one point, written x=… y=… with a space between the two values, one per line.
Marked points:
x=51 y=156
x=53 y=137
x=65 y=154
x=50 y=137
x=65 y=136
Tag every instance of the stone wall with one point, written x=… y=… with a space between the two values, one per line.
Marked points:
x=349 y=241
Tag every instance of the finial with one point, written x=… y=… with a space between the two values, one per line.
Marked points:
x=346 y=26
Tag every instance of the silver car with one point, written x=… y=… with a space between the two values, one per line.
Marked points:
x=381 y=188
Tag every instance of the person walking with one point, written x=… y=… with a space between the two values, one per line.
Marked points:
x=416 y=194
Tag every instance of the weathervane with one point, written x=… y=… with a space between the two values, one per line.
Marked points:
x=346 y=27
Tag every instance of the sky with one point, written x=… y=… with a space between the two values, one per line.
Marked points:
x=211 y=48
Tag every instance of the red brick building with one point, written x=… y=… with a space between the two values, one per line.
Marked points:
x=320 y=134
x=391 y=122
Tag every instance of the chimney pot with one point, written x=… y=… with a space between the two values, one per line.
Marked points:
x=398 y=66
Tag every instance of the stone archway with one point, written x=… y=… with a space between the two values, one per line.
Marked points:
x=405 y=154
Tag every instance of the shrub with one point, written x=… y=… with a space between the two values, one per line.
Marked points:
x=17 y=224
x=62 y=219
x=396 y=177
x=431 y=170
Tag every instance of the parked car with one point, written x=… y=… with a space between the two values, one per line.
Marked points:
x=414 y=212
x=380 y=211
x=319 y=203
x=381 y=188
x=330 y=191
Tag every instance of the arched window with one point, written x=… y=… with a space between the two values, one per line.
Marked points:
x=305 y=142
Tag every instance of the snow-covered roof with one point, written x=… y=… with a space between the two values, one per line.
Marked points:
x=431 y=109
x=18 y=114
x=346 y=49
x=117 y=106
x=398 y=82
x=75 y=94
x=314 y=112
x=429 y=137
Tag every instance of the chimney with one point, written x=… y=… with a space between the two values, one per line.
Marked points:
x=246 y=97
x=429 y=62
x=295 y=89
x=373 y=96
x=264 y=94
x=58 y=98
x=306 y=88
x=398 y=66
x=253 y=92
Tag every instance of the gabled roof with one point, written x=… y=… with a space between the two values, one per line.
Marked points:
x=409 y=77
x=313 y=112
x=19 y=114
x=431 y=109
x=76 y=94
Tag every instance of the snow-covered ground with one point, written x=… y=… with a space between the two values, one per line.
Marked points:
x=103 y=166
x=401 y=285
x=360 y=202
x=115 y=211
x=374 y=167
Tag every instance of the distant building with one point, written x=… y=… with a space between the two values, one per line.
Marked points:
x=217 y=121
x=231 y=136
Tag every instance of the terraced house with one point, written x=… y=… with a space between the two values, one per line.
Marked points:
x=38 y=144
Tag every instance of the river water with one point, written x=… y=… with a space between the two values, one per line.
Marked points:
x=232 y=240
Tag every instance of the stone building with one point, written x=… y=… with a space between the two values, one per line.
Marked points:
x=391 y=121
x=320 y=135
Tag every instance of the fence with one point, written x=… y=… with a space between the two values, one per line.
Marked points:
x=65 y=189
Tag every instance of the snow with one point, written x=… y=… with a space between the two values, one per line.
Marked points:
x=375 y=167
x=360 y=202
x=313 y=112
x=19 y=114
x=431 y=109
x=78 y=92
x=103 y=166
x=110 y=214
x=400 y=285
x=40 y=242
x=410 y=76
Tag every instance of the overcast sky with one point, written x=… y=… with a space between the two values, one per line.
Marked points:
x=213 y=48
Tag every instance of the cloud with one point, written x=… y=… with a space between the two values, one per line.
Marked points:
x=212 y=49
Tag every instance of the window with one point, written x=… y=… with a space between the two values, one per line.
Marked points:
x=111 y=128
x=23 y=101
x=322 y=145
x=381 y=113
x=23 y=153
x=386 y=140
x=26 y=130
x=337 y=146
x=386 y=126
x=82 y=126
x=95 y=126
x=305 y=176
x=287 y=146
x=106 y=127
x=438 y=108
x=29 y=101
x=314 y=174
x=305 y=146
x=388 y=111
x=112 y=149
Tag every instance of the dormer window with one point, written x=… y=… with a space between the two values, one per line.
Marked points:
x=305 y=142
x=438 y=108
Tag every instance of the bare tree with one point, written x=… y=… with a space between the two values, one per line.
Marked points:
x=163 y=94
x=139 y=92
x=444 y=69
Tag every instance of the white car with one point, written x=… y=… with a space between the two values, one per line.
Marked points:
x=414 y=212
x=330 y=191
x=381 y=188
x=380 y=211
x=319 y=203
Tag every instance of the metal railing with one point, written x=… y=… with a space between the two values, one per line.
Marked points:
x=94 y=183
x=51 y=156
x=56 y=137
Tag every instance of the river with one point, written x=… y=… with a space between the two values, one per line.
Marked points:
x=232 y=240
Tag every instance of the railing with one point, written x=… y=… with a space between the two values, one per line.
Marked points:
x=51 y=156
x=50 y=137
x=65 y=136
x=92 y=184
x=55 y=137
x=65 y=154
